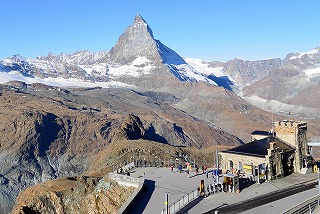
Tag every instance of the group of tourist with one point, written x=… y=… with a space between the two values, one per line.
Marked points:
x=189 y=169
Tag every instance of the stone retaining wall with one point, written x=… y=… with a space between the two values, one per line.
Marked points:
x=132 y=182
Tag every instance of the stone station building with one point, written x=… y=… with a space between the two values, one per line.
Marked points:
x=274 y=154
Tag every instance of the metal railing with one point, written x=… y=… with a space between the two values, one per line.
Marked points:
x=309 y=206
x=182 y=202
x=213 y=188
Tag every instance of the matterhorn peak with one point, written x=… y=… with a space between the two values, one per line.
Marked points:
x=138 y=19
x=136 y=41
x=139 y=22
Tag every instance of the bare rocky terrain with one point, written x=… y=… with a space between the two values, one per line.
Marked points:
x=78 y=194
x=47 y=134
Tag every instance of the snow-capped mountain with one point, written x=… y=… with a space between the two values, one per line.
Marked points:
x=236 y=73
x=16 y=63
x=78 y=58
x=138 y=41
x=139 y=59
x=303 y=57
x=214 y=71
x=136 y=54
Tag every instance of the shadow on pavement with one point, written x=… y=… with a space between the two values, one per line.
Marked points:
x=245 y=183
x=144 y=198
x=190 y=205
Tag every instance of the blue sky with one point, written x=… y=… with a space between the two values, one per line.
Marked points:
x=206 y=29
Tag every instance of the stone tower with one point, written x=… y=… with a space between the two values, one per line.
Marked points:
x=295 y=134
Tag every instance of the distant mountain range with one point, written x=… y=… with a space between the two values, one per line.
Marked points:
x=139 y=59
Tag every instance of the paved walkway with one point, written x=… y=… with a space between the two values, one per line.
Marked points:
x=162 y=180
x=222 y=199
x=175 y=183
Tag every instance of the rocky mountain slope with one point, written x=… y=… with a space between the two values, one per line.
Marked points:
x=288 y=85
x=237 y=73
x=48 y=133
x=295 y=82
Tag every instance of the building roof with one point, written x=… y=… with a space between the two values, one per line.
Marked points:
x=257 y=132
x=259 y=147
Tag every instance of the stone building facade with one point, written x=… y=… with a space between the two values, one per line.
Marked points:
x=294 y=133
x=279 y=153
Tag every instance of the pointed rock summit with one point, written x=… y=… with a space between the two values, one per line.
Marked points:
x=136 y=41
x=139 y=22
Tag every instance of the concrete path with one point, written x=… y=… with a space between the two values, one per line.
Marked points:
x=175 y=183
x=162 y=180
x=223 y=199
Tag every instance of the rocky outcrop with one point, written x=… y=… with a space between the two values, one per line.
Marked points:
x=136 y=41
x=78 y=194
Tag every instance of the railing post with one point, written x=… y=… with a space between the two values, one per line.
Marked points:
x=167 y=203
x=310 y=211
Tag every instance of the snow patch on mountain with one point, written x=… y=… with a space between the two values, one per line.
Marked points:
x=299 y=55
x=312 y=71
x=139 y=66
x=203 y=67
x=179 y=67
x=141 y=61
x=279 y=107
x=101 y=69
x=213 y=70
x=129 y=70
x=14 y=59
x=44 y=66
x=169 y=56
x=59 y=81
